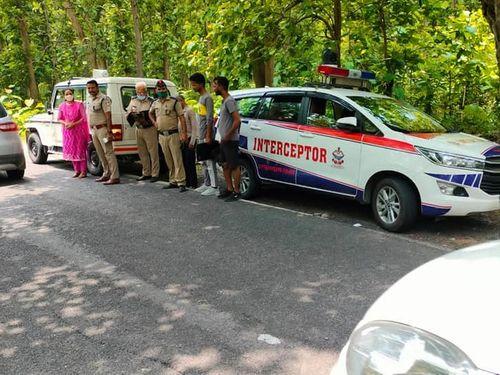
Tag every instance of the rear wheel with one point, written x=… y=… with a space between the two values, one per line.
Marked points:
x=37 y=151
x=249 y=184
x=394 y=204
x=94 y=165
x=16 y=174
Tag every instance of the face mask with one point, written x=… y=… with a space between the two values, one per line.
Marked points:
x=69 y=98
x=141 y=97
x=162 y=94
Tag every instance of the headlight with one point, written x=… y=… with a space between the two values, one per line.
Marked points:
x=381 y=348
x=450 y=160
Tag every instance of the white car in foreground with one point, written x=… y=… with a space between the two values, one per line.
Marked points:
x=442 y=318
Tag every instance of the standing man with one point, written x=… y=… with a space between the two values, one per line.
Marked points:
x=98 y=108
x=165 y=114
x=145 y=132
x=229 y=130
x=188 y=147
x=207 y=134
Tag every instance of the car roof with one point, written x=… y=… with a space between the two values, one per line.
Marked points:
x=82 y=81
x=334 y=91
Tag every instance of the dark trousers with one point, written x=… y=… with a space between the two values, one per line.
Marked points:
x=189 y=160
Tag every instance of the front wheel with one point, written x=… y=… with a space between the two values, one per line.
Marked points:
x=249 y=183
x=394 y=204
x=94 y=165
x=36 y=150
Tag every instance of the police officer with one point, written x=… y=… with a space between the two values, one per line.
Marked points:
x=166 y=114
x=98 y=108
x=146 y=134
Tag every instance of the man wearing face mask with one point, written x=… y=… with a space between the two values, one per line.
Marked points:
x=146 y=134
x=166 y=115
x=99 y=118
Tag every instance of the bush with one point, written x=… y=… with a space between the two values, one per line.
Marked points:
x=19 y=109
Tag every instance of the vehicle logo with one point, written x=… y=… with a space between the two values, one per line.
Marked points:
x=338 y=157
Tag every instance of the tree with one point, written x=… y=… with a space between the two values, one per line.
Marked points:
x=491 y=11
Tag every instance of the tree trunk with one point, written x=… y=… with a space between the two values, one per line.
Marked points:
x=263 y=71
x=77 y=27
x=337 y=27
x=389 y=84
x=491 y=11
x=138 y=39
x=28 y=59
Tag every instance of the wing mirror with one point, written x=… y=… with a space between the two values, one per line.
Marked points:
x=347 y=123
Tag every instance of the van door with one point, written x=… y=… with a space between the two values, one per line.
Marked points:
x=248 y=107
x=330 y=159
x=56 y=126
x=273 y=136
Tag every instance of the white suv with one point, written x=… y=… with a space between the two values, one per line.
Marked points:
x=367 y=147
x=44 y=133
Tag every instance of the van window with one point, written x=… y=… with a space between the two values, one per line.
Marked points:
x=127 y=92
x=248 y=106
x=325 y=112
x=281 y=108
x=79 y=93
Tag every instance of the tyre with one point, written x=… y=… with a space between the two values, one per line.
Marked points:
x=37 y=151
x=94 y=165
x=17 y=174
x=394 y=204
x=249 y=184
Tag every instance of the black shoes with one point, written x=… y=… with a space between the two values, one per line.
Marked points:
x=143 y=178
x=225 y=194
x=154 y=179
x=182 y=189
x=171 y=186
x=233 y=197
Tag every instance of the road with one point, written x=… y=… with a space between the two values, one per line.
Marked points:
x=133 y=279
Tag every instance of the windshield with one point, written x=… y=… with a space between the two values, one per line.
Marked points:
x=398 y=115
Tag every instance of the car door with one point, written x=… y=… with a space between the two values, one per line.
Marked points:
x=248 y=107
x=273 y=136
x=56 y=126
x=330 y=157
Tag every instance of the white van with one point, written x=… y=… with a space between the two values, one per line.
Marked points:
x=367 y=147
x=44 y=133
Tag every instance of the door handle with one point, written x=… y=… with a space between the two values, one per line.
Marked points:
x=306 y=135
x=255 y=127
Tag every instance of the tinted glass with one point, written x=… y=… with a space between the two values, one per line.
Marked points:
x=399 y=116
x=281 y=108
x=248 y=106
x=128 y=92
x=3 y=112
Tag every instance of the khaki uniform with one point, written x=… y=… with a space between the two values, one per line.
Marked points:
x=167 y=112
x=147 y=138
x=96 y=107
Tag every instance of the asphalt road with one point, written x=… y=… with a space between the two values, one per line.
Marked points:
x=133 y=279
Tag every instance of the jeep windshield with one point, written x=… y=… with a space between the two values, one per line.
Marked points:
x=399 y=116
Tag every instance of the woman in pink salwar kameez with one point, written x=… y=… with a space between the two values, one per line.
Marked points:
x=75 y=133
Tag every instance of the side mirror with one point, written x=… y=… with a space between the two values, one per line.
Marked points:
x=347 y=123
x=48 y=107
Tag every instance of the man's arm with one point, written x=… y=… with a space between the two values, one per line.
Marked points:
x=152 y=116
x=180 y=115
x=236 y=125
x=210 y=119
x=195 y=132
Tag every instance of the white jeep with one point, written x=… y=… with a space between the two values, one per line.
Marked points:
x=44 y=133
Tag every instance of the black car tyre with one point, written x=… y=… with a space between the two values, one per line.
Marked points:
x=249 y=184
x=17 y=174
x=94 y=165
x=394 y=204
x=37 y=152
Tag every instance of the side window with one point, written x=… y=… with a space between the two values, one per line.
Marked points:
x=248 y=106
x=321 y=113
x=79 y=94
x=281 y=108
x=128 y=91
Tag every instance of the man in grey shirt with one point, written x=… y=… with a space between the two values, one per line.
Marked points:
x=228 y=127
x=205 y=117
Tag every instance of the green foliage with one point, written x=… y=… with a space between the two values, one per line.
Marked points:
x=19 y=109
x=437 y=55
